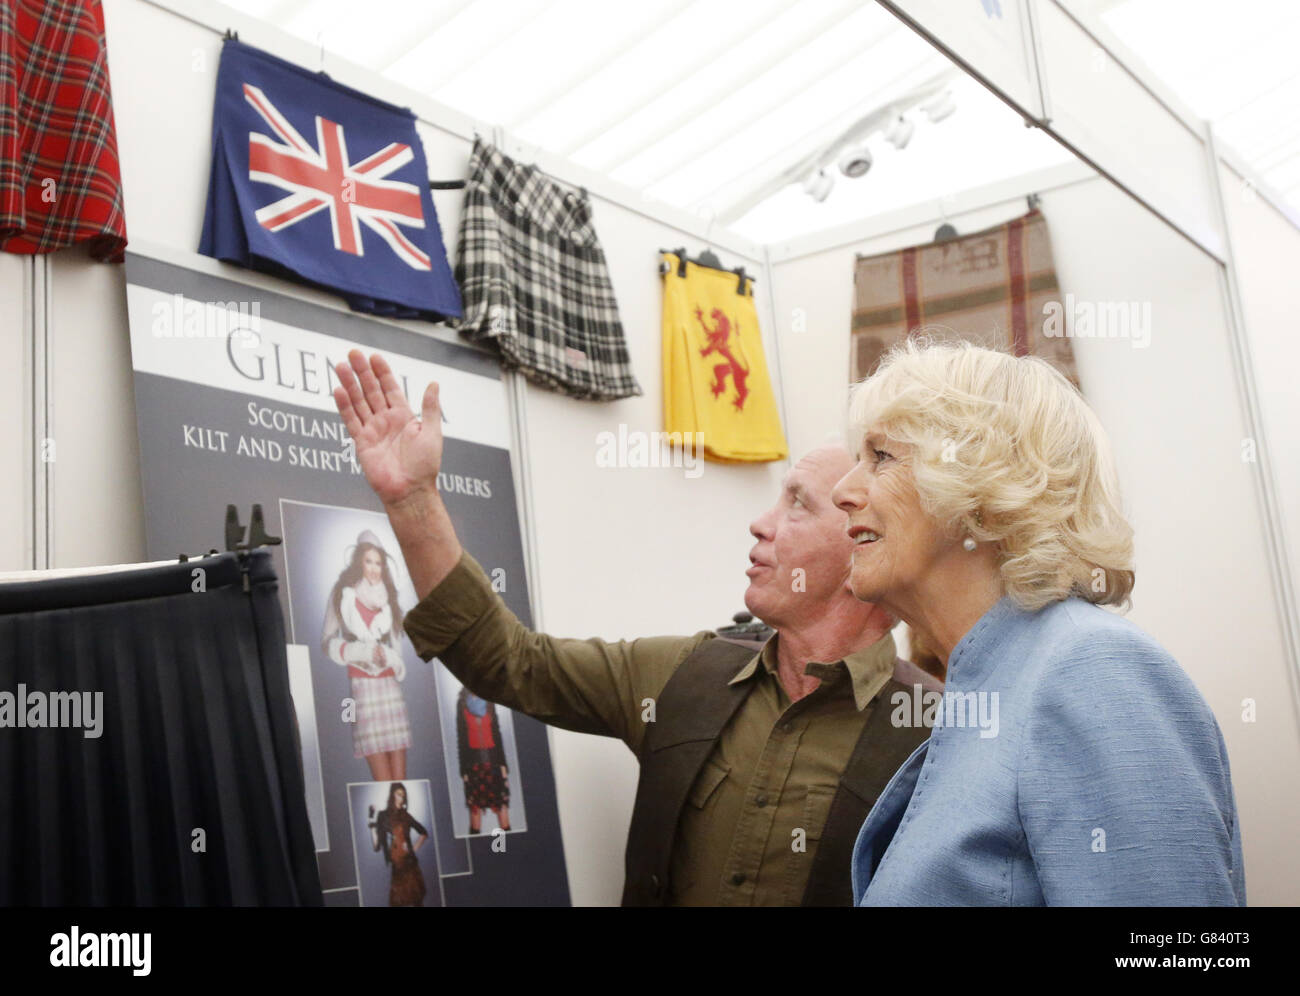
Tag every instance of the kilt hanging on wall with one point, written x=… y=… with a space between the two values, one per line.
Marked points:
x=178 y=780
x=59 y=178
x=535 y=283
x=322 y=184
x=990 y=287
x=715 y=372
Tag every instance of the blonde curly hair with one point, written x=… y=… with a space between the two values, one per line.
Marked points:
x=1006 y=449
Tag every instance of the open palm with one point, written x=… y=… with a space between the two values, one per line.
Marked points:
x=399 y=454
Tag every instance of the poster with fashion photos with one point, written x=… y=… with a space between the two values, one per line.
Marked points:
x=482 y=760
x=244 y=414
x=390 y=830
x=375 y=701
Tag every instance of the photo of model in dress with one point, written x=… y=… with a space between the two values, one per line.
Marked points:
x=390 y=831
x=483 y=769
x=483 y=784
x=363 y=624
x=391 y=824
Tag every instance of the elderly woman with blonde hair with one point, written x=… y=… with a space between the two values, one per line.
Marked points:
x=1071 y=759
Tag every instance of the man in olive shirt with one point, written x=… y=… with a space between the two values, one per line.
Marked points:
x=749 y=830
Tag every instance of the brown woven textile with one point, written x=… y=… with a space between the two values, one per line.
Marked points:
x=988 y=287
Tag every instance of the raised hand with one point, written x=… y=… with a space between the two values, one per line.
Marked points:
x=399 y=453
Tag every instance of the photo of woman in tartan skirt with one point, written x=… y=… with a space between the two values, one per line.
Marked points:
x=363 y=624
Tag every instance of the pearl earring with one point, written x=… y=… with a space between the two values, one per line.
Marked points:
x=968 y=544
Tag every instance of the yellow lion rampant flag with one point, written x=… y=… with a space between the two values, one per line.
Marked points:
x=715 y=372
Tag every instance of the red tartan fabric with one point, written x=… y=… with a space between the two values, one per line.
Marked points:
x=59 y=177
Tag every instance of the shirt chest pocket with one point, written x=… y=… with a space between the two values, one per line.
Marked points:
x=692 y=851
x=816 y=808
x=706 y=784
x=805 y=838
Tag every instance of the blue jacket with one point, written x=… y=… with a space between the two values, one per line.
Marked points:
x=1072 y=762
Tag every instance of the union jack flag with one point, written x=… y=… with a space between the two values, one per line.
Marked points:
x=322 y=177
x=365 y=227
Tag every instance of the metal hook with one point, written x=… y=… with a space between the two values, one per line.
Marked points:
x=946 y=230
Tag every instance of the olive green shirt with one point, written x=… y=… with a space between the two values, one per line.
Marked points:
x=749 y=831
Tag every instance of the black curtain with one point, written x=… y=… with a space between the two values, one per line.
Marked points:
x=197 y=734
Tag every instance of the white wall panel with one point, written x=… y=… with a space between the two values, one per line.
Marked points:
x=96 y=500
x=1100 y=108
x=1266 y=252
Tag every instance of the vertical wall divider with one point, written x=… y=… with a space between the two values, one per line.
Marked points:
x=517 y=395
x=517 y=398
x=777 y=365
x=1275 y=538
x=27 y=410
x=40 y=431
x=1035 y=54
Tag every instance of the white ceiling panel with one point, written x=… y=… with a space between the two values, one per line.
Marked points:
x=709 y=104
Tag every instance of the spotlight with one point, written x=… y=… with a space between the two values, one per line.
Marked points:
x=818 y=185
x=899 y=133
x=854 y=162
x=939 y=108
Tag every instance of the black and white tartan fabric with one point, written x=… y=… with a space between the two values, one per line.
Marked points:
x=534 y=281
